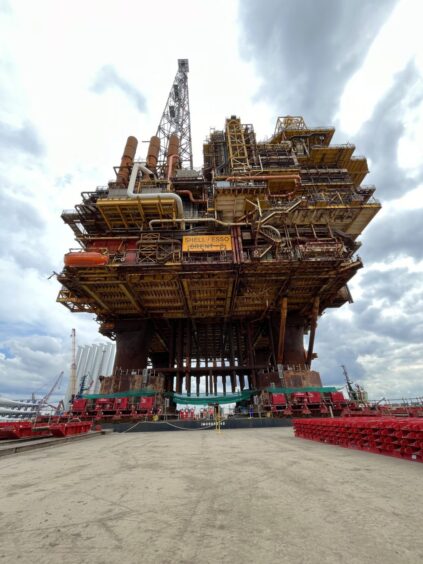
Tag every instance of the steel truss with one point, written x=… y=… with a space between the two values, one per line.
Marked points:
x=176 y=118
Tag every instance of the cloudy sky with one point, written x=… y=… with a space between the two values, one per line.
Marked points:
x=76 y=78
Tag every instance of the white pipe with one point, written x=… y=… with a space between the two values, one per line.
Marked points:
x=146 y=170
x=131 y=186
x=152 y=222
x=155 y=196
x=19 y=412
x=6 y=402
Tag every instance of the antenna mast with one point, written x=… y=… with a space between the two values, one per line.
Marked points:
x=176 y=118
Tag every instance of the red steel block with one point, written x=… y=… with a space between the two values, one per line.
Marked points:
x=79 y=405
x=146 y=403
x=299 y=397
x=277 y=399
x=104 y=404
x=15 y=429
x=121 y=403
x=402 y=438
x=314 y=397
x=71 y=428
x=23 y=430
x=337 y=397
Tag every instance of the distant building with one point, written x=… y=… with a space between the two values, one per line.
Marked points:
x=92 y=361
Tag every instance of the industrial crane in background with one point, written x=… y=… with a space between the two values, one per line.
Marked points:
x=355 y=392
x=45 y=400
x=17 y=409
x=176 y=119
x=84 y=385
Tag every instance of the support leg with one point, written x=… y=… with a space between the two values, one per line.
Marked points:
x=282 y=328
x=314 y=315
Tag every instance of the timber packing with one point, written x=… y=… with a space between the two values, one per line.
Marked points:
x=208 y=279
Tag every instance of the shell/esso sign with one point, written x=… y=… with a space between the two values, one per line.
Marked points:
x=206 y=243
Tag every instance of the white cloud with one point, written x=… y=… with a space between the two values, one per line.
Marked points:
x=52 y=54
x=410 y=145
x=399 y=41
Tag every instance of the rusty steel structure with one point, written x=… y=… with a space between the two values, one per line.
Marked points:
x=209 y=279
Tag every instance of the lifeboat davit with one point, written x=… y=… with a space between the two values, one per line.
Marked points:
x=73 y=260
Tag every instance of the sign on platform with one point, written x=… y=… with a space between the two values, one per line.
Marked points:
x=206 y=243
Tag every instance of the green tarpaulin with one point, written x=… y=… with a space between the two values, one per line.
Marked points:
x=308 y=389
x=202 y=399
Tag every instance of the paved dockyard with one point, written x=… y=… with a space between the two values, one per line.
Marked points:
x=256 y=495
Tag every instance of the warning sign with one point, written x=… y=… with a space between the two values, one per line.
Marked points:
x=206 y=243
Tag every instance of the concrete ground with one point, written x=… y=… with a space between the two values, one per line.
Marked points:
x=241 y=496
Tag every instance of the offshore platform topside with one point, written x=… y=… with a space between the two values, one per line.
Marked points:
x=210 y=278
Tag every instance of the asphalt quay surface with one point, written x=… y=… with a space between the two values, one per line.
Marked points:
x=238 y=496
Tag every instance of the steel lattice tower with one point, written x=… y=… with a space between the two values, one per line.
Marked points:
x=176 y=118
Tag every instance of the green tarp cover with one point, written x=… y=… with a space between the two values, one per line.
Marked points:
x=131 y=393
x=202 y=399
x=309 y=389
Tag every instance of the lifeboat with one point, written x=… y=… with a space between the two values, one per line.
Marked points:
x=73 y=260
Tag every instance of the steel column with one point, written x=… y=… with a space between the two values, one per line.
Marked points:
x=282 y=328
x=272 y=341
x=313 y=326
x=252 y=376
x=188 y=359
x=179 y=354
x=232 y=357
